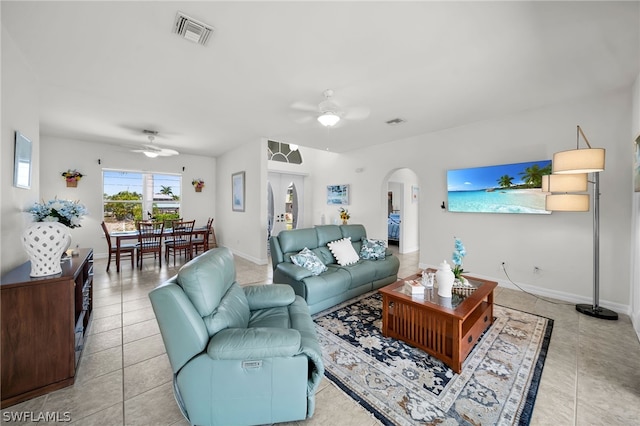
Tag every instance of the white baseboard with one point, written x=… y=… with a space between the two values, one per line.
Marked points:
x=554 y=294
x=249 y=258
x=635 y=321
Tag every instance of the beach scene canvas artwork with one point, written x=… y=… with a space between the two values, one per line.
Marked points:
x=507 y=188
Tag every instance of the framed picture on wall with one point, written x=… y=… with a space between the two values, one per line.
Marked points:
x=337 y=194
x=22 y=162
x=414 y=193
x=237 y=192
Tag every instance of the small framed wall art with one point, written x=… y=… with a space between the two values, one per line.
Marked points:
x=338 y=194
x=237 y=191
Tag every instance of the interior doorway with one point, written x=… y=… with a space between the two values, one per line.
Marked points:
x=285 y=205
x=401 y=190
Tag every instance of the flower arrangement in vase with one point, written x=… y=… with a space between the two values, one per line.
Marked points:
x=458 y=254
x=68 y=213
x=48 y=237
x=198 y=184
x=344 y=215
x=72 y=177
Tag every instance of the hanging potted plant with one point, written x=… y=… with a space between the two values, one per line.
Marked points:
x=198 y=184
x=72 y=177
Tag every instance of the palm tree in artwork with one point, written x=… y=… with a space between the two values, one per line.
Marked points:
x=505 y=181
x=532 y=175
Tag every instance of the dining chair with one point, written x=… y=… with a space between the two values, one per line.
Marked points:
x=181 y=240
x=203 y=241
x=150 y=240
x=126 y=249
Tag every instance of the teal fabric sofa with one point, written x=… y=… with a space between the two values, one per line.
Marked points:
x=240 y=355
x=338 y=283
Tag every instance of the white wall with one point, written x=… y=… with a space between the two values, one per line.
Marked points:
x=245 y=233
x=19 y=112
x=635 y=234
x=62 y=154
x=559 y=244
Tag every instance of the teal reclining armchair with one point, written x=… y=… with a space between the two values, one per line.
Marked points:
x=240 y=355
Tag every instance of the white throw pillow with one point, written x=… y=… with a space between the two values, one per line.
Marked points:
x=343 y=251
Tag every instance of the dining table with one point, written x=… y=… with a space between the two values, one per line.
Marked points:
x=133 y=235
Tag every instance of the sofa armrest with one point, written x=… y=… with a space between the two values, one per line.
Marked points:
x=297 y=273
x=183 y=331
x=269 y=296
x=254 y=343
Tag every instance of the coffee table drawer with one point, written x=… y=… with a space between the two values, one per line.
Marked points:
x=473 y=326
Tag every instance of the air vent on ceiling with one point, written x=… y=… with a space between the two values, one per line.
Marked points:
x=192 y=30
x=396 y=121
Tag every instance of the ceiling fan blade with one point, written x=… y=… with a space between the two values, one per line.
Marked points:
x=166 y=152
x=304 y=106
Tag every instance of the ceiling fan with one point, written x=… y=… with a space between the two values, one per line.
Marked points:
x=329 y=112
x=151 y=150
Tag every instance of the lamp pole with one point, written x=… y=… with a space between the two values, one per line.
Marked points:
x=595 y=310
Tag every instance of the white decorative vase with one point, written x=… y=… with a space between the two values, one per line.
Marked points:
x=444 y=278
x=45 y=242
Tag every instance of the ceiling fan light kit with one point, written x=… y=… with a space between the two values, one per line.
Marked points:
x=328 y=119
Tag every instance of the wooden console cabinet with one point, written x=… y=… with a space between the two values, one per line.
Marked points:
x=43 y=323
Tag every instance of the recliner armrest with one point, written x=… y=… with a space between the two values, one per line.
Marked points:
x=254 y=343
x=269 y=296
x=297 y=273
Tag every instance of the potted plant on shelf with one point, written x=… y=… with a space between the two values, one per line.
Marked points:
x=72 y=177
x=198 y=184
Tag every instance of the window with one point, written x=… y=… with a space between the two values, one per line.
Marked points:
x=129 y=196
x=283 y=152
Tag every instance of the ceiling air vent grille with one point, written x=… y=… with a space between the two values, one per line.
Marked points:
x=192 y=30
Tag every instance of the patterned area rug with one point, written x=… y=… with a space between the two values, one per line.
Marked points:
x=402 y=385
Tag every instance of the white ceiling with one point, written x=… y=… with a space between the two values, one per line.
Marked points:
x=108 y=70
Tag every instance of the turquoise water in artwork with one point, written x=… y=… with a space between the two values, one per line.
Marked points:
x=498 y=201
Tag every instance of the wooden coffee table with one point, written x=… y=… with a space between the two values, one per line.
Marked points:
x=446 y=328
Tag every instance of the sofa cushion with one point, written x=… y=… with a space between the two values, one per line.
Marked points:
x=343 y=251
x=327 y=285
x=386 y=267
x=327 y=233
x=310 y=261
x=361 y=273
x=373 y=249
x=294 y=240
x=207 y=278
x=232 y=312
x=277 y=317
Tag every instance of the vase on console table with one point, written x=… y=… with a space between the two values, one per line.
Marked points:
x=444 y=278
x=45 y=243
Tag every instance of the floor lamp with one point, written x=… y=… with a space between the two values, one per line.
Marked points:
x=568 y=179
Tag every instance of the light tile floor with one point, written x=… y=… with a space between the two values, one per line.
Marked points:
x=591 y=375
